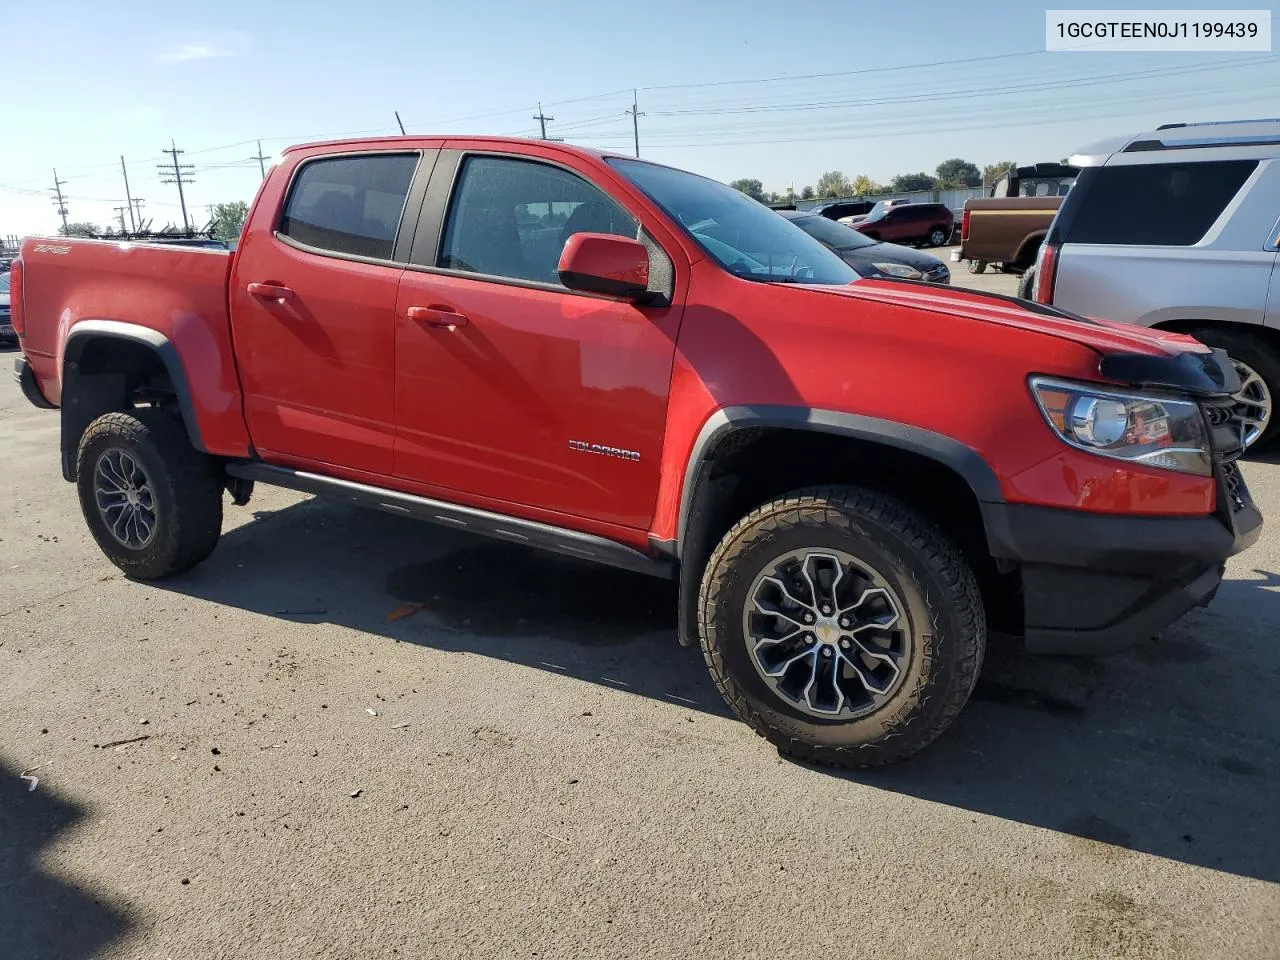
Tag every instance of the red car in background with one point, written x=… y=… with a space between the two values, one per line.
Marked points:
x=927 y=224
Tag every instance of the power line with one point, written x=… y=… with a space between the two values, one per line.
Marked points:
x=176 y=174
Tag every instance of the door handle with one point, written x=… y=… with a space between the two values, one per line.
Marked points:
x=271 y=291
x=442 y=318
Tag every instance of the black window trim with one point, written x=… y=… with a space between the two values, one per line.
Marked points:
x=412 y=203
x=434 y=215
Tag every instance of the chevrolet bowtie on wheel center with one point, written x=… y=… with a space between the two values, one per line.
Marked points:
x=852 y=478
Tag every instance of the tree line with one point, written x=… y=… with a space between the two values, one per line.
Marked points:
x=225 y=224
x=948 y=174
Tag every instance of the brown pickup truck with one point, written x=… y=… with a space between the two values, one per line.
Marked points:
x=1007 y=228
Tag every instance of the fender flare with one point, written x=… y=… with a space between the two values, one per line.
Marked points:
x=89 y=331
x=962 y=459
x=1035 y=240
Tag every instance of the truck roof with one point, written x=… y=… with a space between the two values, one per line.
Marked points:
x=1182 y=136
x=438 y=140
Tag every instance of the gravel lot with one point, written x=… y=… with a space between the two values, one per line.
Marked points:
x=526 y=764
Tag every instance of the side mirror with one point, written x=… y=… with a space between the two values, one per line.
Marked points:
x=605 y=264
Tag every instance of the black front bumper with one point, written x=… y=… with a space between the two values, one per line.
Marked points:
x=1096 y=583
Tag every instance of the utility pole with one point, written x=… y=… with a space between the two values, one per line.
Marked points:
x=261 y=158
x=120 y=213
x=137 y=203
x=178 y=173
x=542 y=121
x=59 y=201
x=635 y=119
x=128 y=196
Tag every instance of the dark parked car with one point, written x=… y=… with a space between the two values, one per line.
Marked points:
x=924 y=223
x=6 y=323
x=843 y=208
x=871 y=258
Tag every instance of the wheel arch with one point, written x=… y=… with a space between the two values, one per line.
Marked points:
x=868 y=451
x=1027 y=250
x=1268 y=335
x=106 y=364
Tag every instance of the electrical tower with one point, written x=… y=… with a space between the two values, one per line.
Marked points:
x=60 y=203
x=542 y=121
x=261 y=158
x=179 y=173
x=635 y=119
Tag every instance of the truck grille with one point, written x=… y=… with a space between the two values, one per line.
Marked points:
x=1233 y=484
x=1226 y=434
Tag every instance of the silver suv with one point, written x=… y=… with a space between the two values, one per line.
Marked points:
x=1179 y=229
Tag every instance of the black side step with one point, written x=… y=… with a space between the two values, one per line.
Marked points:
x=585 y=546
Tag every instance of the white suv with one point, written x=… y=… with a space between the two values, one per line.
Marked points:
x=1179 y=229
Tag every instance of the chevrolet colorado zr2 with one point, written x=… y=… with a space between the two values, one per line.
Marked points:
x=853 y=480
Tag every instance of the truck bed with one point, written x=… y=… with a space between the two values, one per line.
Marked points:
x=179 y=292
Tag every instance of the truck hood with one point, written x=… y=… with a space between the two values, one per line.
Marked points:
x=1132 y=355
x=1102 y=335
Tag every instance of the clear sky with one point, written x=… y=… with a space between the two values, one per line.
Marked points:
x=89 y=81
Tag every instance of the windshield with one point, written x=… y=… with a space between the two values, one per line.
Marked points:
x=835 y=235
x=746 y=238
x=878 y=212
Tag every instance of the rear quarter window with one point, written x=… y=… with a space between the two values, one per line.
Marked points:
x=1163 y=204
x=350 y=205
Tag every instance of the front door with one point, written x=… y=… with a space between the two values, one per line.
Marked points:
x=508 y=385
x=313 y=308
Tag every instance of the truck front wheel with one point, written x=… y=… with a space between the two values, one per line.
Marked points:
x=151 y=500
x=842 y=626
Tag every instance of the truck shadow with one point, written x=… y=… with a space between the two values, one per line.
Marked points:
x=1169 y=749
x=43 y=917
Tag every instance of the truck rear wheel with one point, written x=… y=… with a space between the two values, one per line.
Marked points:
x=842 y=626
x=1027 y=284
x=151 y=500
x=977 y=266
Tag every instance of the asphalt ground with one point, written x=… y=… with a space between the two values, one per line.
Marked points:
x=348 y=735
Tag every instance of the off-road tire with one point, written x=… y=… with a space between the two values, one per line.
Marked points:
x=1027 y=284
x=977 y=266
x=1251 y=349
x=186 y=484
x=925 y=568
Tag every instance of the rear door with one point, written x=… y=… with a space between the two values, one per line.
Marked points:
x=313 y=308
x=1272 y=318
x=1167 y=240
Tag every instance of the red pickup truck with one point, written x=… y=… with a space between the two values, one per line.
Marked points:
x=853 y=480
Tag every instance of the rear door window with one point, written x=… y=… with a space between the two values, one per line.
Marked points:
x=350 y=205
x=1162 y=204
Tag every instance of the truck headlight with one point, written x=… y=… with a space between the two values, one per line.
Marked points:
x=899 y=270
x=1150 y=430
